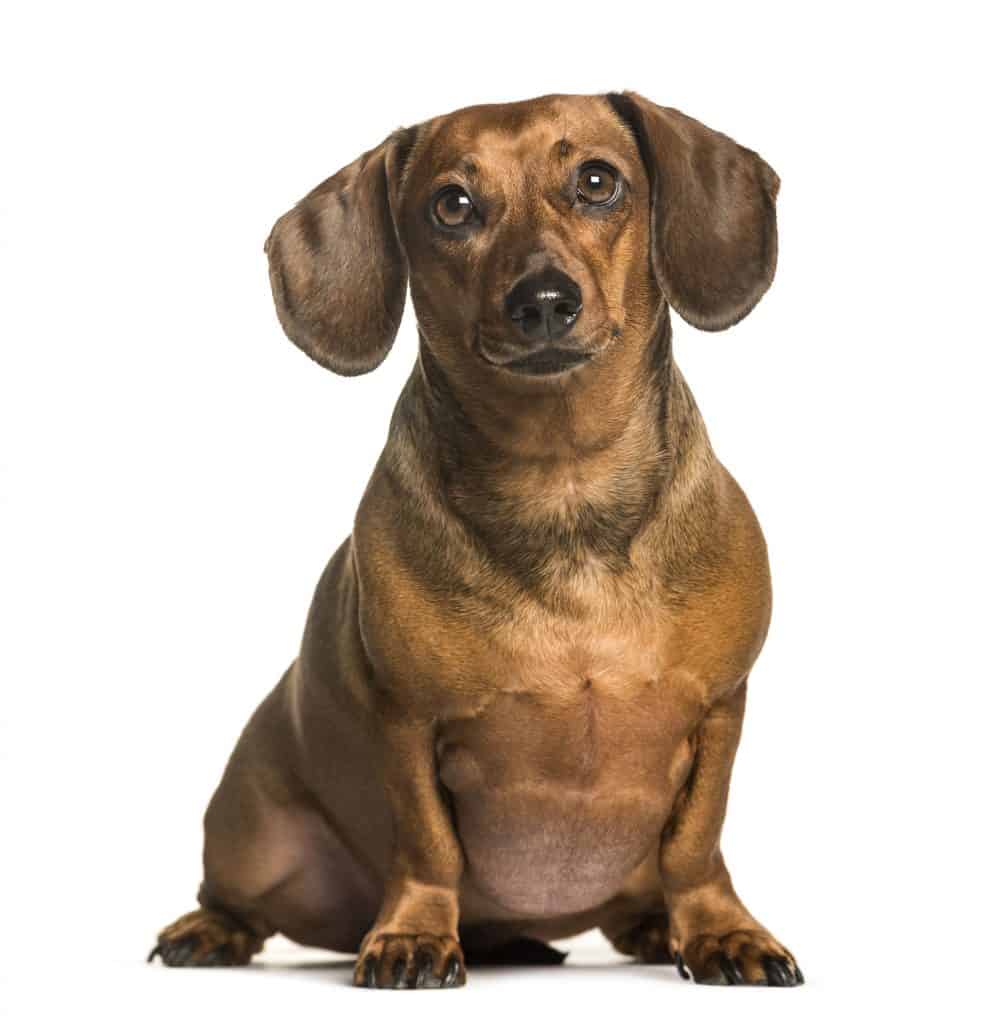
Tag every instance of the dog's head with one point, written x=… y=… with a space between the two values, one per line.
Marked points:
x=535 y=236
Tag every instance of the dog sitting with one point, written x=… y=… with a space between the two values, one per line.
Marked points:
x=521 y=684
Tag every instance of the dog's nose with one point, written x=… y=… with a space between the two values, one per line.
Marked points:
x=544 y=305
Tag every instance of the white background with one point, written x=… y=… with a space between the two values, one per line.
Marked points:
x=174 y=473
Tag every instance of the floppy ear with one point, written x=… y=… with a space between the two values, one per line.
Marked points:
x=337 y=270
x=713 y=214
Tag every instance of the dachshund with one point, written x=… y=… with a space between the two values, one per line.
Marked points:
x=521 y=684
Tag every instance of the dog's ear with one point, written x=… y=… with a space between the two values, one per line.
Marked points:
x=337 y=270
x=713 y=214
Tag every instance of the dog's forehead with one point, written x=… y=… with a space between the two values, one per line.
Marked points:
x=525 y=129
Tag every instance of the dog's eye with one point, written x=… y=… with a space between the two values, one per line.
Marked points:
x=598 y=184
x=453 y=207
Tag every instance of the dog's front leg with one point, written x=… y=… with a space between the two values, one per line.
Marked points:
x=413 y=943
x=711 y=932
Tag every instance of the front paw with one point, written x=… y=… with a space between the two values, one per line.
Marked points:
x=410 y=961
x=739 y=958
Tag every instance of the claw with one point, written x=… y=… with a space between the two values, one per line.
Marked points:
x=398 y=973
x=370 y=973
x=216 y=956
x=730 y=970
x=778 y=972
x=423 y=970
x=178 y=955
x=451 y=972
x=157 y=950
x=681 y=967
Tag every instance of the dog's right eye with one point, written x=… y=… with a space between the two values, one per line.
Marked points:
x=453 y=207
x=598 y=184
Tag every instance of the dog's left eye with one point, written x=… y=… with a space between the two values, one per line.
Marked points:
x=598 y=184
x=453 y=207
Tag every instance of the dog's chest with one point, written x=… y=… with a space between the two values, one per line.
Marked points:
x=564 y=778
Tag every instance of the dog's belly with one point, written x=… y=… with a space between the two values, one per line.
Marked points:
x=540 y=851
x=558 y=796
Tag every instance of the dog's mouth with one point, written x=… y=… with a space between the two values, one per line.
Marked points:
x=547 y=361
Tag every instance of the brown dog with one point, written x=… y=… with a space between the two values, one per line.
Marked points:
x=521 y=684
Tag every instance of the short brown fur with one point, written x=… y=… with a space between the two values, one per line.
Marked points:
x=521 y=685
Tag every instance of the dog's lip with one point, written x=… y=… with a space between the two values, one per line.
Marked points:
x=546 y=361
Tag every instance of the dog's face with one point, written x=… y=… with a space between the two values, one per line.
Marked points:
x=526 y=230
x=538 y=237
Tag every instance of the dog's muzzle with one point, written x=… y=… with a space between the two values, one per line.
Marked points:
x=542 y=309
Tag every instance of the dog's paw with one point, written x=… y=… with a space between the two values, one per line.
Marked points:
x=648 y=941
x=410 y=961
x=739 y=958
x=205 y=938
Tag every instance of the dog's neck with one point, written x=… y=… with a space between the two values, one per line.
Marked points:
x=562 y=479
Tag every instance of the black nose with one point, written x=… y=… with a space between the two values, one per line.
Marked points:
x=544 y=305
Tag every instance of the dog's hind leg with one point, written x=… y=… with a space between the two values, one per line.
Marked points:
x=269 y=867
x=647 y=940
x=280 y=869
x=242 y=862
x=273 y=862
x=636 y=923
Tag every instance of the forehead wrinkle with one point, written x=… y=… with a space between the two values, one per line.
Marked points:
x=502 y=151
x=466 y=169
x=535 y=145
